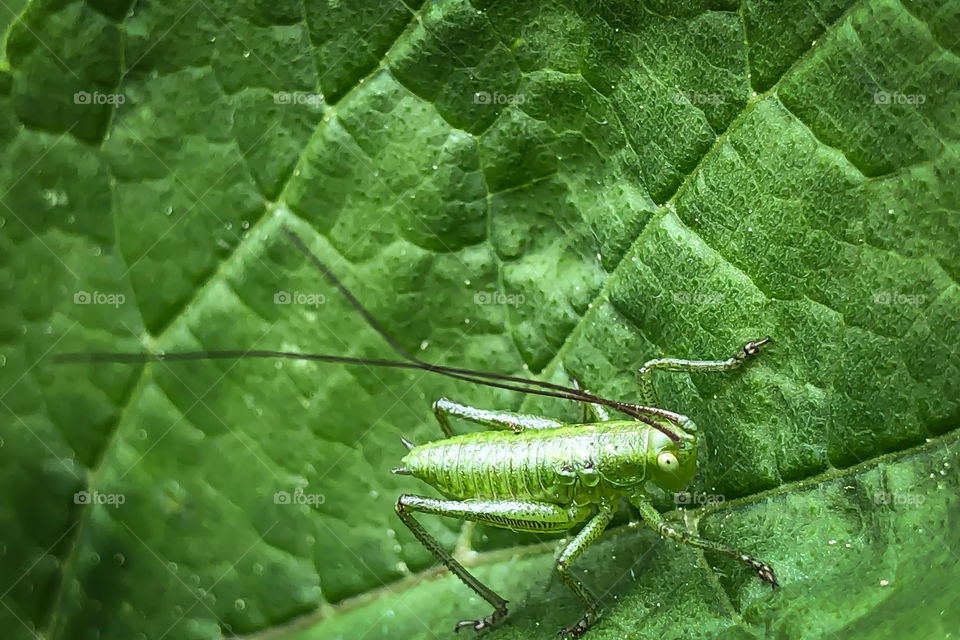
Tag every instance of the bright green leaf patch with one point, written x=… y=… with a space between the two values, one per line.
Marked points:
x=551 y=189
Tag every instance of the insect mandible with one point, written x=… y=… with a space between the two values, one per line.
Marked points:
x=528 y=472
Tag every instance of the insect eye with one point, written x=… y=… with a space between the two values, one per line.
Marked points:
x=667 y=461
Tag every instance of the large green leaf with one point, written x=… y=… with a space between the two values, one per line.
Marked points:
x=634 y=180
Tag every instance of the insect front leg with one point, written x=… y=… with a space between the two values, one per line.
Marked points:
x=648 y=395
x=656 y=521
x=590 y=532
x=522 y=516
x=504 y=420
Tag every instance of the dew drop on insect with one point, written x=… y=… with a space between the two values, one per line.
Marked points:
x=310 y=540
x=374 y=493
x=466 y=321
x=168 y=211
x=435 y=167
x=884 y=583
x=245 y=225
x=3 y=221
x=3 y=360
x=424 y=345
x=246 y=54
x=142 y=434
x=239 y=604
x=119 y=559
x=95 y=558
x=832 y=542
x=172 y=566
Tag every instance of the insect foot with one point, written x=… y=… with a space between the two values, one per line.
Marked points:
x=763 y=570
x=752 y=348
x=483 y=623
x=579 y=628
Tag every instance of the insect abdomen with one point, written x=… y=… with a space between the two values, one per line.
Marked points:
x=479 y=467
x=552 y=465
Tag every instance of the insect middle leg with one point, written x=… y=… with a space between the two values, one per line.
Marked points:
x=648 y=395
x=516 y=422
x=590 y=532
x=655 y=520
x=522 y=516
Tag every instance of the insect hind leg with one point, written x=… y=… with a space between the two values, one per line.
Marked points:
x=592 y=412
x=443 y=409
x=534 y=516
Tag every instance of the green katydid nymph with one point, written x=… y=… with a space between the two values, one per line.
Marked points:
x=528 y=472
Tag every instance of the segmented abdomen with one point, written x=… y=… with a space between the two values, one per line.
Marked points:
x=533 y=465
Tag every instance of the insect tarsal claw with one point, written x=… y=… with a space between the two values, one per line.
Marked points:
x=407 y=443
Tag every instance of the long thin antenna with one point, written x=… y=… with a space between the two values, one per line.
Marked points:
x=496 y=380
